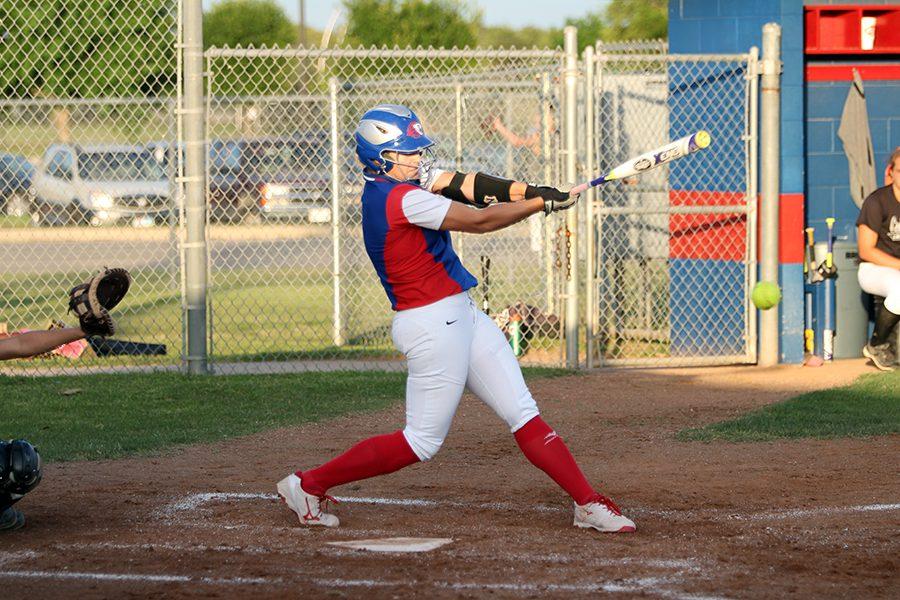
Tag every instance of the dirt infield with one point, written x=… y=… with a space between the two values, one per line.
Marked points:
x=803 y=518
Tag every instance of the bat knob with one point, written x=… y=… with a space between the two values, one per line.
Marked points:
x=578 y=189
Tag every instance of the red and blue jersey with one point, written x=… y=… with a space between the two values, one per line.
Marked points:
x=414 y=259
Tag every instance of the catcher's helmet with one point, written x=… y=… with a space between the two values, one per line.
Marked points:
x=388 y=127
x=20 y=467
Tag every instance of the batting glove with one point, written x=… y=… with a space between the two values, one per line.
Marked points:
x=554 y=199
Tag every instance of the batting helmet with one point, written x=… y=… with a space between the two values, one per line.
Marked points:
x=20 y=467
x=388 y=127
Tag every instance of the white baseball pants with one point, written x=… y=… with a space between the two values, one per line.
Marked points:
x=450 y=345
x=882 y=281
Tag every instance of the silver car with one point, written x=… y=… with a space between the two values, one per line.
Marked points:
x=100 y=184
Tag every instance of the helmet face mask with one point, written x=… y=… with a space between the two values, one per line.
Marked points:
x=20 y=468
x=423 y=166
x=392 y=128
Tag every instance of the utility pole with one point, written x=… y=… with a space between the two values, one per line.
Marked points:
x=302 y=22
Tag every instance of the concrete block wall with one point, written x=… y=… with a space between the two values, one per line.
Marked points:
x=827 y=172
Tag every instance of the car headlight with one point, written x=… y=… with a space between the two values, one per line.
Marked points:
x=271 y=191
x=100 y=200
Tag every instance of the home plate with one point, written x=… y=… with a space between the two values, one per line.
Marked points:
x=398 y=544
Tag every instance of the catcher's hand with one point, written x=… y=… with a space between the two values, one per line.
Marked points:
x=92 y=301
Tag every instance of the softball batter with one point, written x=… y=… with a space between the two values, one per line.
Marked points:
x=408 y=212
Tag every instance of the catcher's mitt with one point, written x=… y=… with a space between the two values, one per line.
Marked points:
x=92 y=301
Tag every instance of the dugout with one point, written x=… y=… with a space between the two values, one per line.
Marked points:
x=821 y=45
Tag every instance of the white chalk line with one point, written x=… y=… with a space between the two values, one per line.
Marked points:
x=795 y=513
x=647 y=585
x=658 y=586
x=674 y=564
x=683 y=565
x=142 y=577
x=181 y=548
x=651 y=585
x=12 y=556
x=195 y=501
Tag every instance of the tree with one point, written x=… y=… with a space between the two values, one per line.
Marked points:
x=247 y=23
x=526 y=37
x=636 y=20
x=622 y=20
x=87 y=48
x=590 y=29
x=253 y=23
x=438 y=23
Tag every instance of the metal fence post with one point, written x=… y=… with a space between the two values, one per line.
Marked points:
x=546 y=135
x=571 y=149
x=337 y=333
x=770 y=185
x=195 y=248
x=753 y=200
x=588 y=202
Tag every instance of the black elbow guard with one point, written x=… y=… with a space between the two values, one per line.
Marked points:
x=454 y=189
x=490 y=189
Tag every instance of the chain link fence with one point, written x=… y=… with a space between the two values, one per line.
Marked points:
x=86 y=90
x=280 y=130
x=672 y=252
x=91 y=154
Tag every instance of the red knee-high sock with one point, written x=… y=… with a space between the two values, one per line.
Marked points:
x=377 y=455
x=549 y=453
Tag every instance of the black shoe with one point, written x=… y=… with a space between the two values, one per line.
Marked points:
x=880 y=355
x=11 y=519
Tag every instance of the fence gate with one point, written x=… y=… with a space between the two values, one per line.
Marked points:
x=671 y=254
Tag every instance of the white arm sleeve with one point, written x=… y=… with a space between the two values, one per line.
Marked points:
x=424 y=208
x=433 y=174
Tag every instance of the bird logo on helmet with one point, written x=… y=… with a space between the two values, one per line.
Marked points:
x=390 y=128
x=415 y=130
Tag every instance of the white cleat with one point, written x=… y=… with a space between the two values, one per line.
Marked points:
x=310 y=509
x=602 y=514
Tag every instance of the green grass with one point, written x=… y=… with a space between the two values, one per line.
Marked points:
x=276 y=314
x=9 y=221
x=123 y=124
x=91 y=417
x=868 y=407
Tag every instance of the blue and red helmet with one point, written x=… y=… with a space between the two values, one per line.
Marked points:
x=385 y=128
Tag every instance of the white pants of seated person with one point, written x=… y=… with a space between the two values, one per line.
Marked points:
x=881 y=281
x=450 y=345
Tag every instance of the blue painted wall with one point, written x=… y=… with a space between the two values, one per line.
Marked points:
x=706 y=96
x=733 y=26
x=828 y=193
x=701 y=287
